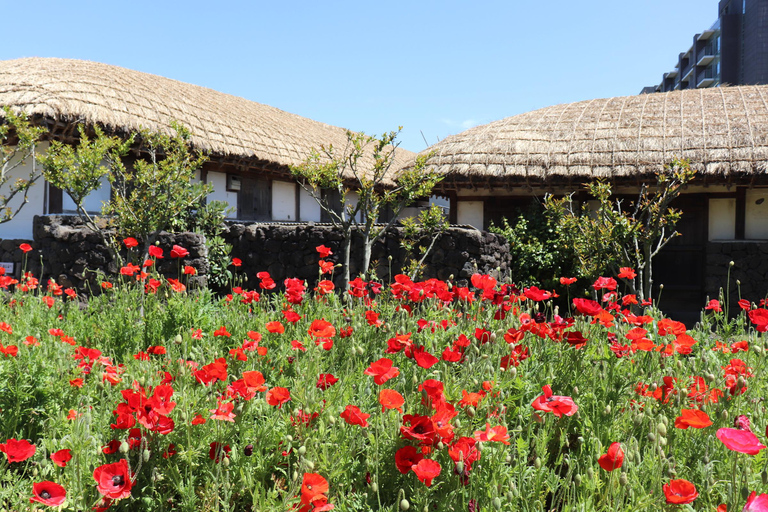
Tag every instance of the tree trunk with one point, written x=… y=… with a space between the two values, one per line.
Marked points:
x=345 y=251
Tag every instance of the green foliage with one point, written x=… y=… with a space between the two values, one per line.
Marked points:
x=154 y=192
x=617 y=234
x=13 y=154
x=376 y=185
x=539 y=257
x=419 y=237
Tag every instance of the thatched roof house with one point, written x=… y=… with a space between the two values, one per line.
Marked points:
x=493 y=170
x=250 y=145
x=723 y=131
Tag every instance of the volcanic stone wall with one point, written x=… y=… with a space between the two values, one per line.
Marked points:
x=288 y=250
x=67 y=251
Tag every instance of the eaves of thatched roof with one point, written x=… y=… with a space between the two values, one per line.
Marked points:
x=722 y=131
x=229 y=128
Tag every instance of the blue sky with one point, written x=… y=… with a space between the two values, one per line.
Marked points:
x=433 y=67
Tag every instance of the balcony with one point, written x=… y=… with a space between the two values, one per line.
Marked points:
x=672 y=73
x=706 y=55
x=706 y=78
x=687 y=73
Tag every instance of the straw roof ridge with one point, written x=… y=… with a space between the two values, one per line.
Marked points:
x=124 y=101
x=722 y=131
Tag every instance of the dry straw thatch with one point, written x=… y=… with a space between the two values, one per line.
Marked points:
x=722 y=131
x=122 y=100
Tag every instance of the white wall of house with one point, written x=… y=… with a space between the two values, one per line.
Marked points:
x=722 y=218
x=219 y=182
x=93 y=202
x=284 y=200
x=756 y=215
x=470 y=212
x=21 y=225
x=309 y=210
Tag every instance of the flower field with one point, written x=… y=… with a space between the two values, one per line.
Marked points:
x=392 y=396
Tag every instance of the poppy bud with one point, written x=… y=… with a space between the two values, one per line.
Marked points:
x=661 y=429
x=623 y=479
x=630 y=455
x=177 y=339
x=145 y=455
x=744 y=493
x=289 y=438
x=537 y=463
x=248 y=450
x=710 y=377
x=731 y=263
x=764 y=477
x=497 y=503
x=124 y=447
x=575 y=390
x=508 y=459
x=302 y=450
x=607 y=410
x=662 y=441
x=705 y=459
x=471 y=411
x=457 y=423
x=577 y=479
x=738 y=282
x=679 y=364
x=225 y=463
x=404 y=505
x=510 y=495
x=440 y=445
x=375 y=487
x=671 y=472
x=590 y=473
x=513 y=372
x=425 y=508
x=493 y=336
x=459 y=468
x=294 y=476
x=651 y=437
x=310 y=465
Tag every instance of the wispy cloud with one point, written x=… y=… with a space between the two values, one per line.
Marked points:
x=464 y=125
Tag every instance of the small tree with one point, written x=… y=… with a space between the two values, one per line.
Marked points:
x=377 y=186
x=156 y=193
x=18 y=139
x=615 y=236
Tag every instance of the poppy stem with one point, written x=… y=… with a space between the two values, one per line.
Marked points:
x=732 y=491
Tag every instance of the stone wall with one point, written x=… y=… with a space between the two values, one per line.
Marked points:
x=74 y=256
x=750 y=269
x=65 y=250
x=288 y=250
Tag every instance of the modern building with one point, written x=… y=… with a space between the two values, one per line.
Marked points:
x=733 y=51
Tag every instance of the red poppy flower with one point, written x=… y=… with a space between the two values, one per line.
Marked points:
x=130 y=242
x=567 y=281
x=587 y=307
x=178 y=251
x=18 y=450
x=424 y=358
x=221 y=331
x=48 y=493
x=745 y=304
x=742 y=441
x=275 y=327
x=613 y=459
x=326 y=266
x=278 y=396
x=237 y=262
x=604 y=283
x=497 y=433
x=680 y=492
x=61 y=457
x=189 y=271
x=391 y=399
x=198 y=420
x=326 y=380
x=113 y=481
x=321 y=329
x=354 y=416
x=323 y=251
x=25 y=247
x=223 y=412
x=218 y=451
x=756 y=503
x=692 y=418
x=155 y=251
x=759 y=317
x=536 y=295
x=407 y=457
x=312 y=485
x=483 y=282
x=627 y=273
x=557 y=405
x=714 y=305
x=382 y=370
x=427 y=470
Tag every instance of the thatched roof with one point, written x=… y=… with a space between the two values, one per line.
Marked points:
x=722 y=131
x=123 y=101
